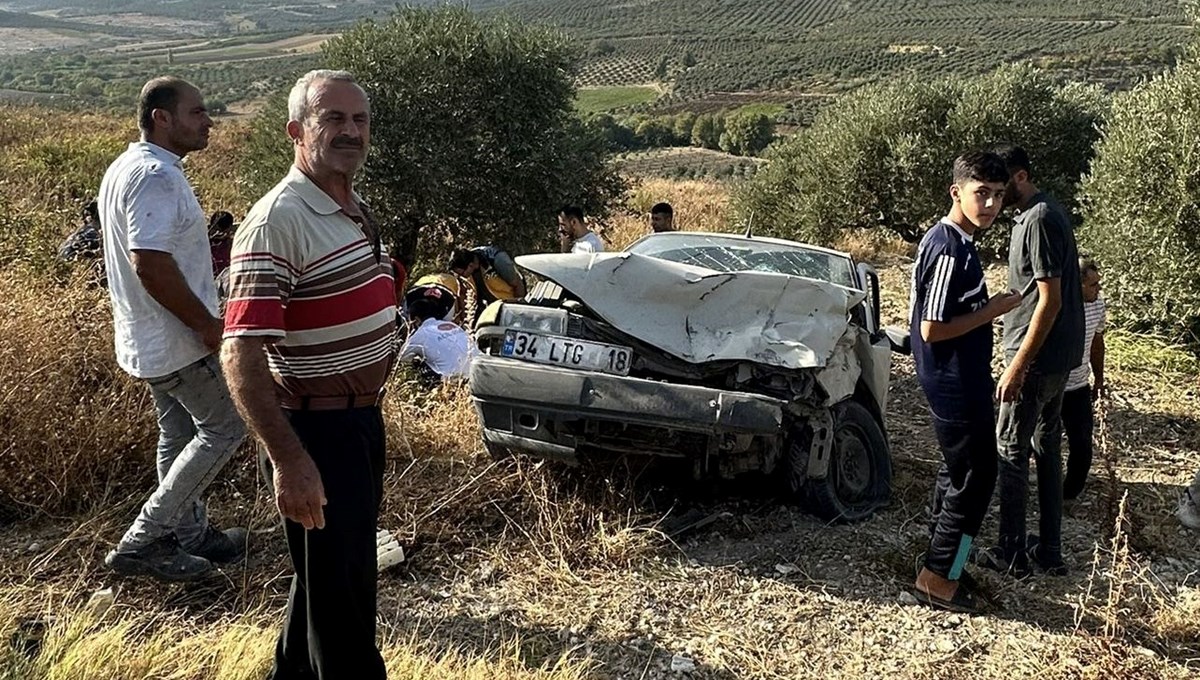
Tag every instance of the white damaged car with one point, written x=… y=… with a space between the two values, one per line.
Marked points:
x=735 y=353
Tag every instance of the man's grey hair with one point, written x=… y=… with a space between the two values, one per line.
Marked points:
x=299 y=103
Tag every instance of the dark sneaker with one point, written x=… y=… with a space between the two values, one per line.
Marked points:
x=997 y=559
x=221 y=547
x=1049 y=561
x=163 y=559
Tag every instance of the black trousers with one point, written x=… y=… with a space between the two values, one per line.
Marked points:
x=1077 y=420
x=329 y=633
x=1032 y=426
x=962 y=492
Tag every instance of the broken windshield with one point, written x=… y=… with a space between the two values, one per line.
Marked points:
x=737 y=254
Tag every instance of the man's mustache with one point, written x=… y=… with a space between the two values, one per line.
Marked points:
x=347 y=143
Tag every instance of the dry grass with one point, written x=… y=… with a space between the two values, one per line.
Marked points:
x=59 y=640
x=454 y=495
x=71 y=423
x=698 y=205
x=875 y=247
x=525 y=570
x=53 y=162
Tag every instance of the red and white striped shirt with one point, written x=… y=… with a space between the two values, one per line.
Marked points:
x=310 y=276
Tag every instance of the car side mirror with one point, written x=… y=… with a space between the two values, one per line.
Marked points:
x=899 y=338
x=869 y=280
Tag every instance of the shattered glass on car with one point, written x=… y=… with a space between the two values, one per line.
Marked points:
x=725 y=254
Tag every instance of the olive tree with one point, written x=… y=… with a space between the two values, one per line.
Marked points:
x=747 y=133
x=1141 y=205
x=880 y=157
x=474 y=135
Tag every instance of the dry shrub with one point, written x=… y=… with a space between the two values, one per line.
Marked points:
x=1179 y=622
x=51 y=164
x=72 y=424
x=698 y=206
x=574 y=520
x=875 y=246
x=214 y=171
x=438 y=423
x=1124 y=603
x=445 y=491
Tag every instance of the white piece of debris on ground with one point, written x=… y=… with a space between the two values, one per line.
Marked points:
x=388 y=551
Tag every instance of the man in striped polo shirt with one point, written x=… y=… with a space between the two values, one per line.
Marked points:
x=310 y=337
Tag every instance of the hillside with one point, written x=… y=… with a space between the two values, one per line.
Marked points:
x=799 y=47
x=699 y=54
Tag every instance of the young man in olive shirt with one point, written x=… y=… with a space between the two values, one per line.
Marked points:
x=1043 y=342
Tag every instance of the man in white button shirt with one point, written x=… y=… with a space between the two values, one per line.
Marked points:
x=166 y=332
x=574 y=235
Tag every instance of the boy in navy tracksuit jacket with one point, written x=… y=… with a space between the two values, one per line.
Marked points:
x=951 y=326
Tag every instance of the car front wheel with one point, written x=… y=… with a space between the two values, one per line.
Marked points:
x=859 y=479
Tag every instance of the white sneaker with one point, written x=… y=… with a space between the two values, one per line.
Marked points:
x=1188 y=513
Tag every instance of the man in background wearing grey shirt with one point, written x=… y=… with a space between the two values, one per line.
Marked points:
x=1043 y=342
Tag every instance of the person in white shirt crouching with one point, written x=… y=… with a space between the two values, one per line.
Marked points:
x=443 y=348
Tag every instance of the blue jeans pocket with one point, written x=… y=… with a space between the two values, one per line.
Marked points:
x=165 y=383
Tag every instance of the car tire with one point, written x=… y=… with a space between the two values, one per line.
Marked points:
x=859 y=481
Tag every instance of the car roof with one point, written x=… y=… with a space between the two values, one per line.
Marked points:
x=751 y=239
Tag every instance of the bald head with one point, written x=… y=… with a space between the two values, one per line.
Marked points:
x=162 y=93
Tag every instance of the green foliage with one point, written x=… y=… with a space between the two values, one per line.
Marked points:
x=599 y=99
x=268 y=151
x=814 y=47
x=747 y=133
x=657 y=131
x=660 y=71
x=881 y=156
x=616 y=136
x=706 y=131
x=824 y=46
x=682 y=128
x=1141 y=206
x=474 y=134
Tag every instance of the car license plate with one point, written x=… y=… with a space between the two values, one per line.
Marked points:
x=568 y=352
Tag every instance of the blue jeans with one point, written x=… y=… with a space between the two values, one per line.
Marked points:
x=198 y=431
x=1032 y=425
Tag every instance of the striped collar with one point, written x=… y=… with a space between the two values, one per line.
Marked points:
x=314 y=196
x=950 y=223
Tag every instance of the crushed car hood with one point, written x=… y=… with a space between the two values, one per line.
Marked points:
x=701 y=315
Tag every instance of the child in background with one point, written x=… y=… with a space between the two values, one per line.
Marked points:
x=1077 y=400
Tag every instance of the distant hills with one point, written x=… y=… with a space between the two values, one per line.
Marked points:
x=794 y=52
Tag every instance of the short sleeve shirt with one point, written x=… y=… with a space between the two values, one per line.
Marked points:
x=588 y=243
x=307 y=275
x=948 y=282
x=443 y=345
x=1095 y=317
x=146 y=203
x=1042 y=246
